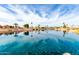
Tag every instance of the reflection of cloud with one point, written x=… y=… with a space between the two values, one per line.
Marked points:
x=51 y=14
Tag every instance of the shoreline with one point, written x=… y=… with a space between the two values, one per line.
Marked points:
x=7 y=30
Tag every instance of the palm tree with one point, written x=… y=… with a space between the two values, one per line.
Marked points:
x=26 y=25
x=64 y=25
x=16 y=25
x=32 y=26
x=38 y=26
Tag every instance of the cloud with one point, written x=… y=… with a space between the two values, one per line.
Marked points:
x=44 y=14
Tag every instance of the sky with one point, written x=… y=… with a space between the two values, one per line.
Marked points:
x=43 y=14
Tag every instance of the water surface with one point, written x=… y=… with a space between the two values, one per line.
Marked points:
x=47 y=42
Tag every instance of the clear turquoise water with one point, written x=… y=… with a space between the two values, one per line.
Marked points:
x=39 y=43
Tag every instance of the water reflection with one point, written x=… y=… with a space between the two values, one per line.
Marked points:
x=64 y=33
x=31 y=35
x=39 y=32
x=9 y=33
x=15 y=34
x=43 y=44
x=26 y=33
x=0 y=33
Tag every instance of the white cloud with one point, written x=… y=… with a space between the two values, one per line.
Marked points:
x=35 y=18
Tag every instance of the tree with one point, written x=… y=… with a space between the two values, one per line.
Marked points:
x=64 y=25
x=26 y=25
x=16 y=25
x=38 y=26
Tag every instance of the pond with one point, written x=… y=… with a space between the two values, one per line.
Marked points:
x=48 y=42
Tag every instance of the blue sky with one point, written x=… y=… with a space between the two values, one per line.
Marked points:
x=43 y=14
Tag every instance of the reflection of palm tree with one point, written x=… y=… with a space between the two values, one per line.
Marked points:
x=64 y=32
x=26 y=33
x=11 y=33
x=15 y=34
x=31 y=34
x=38 y=32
